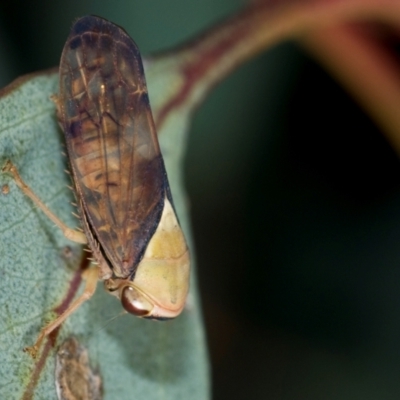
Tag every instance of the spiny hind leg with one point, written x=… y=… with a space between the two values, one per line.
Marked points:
x=91 y=277
x=74 y=235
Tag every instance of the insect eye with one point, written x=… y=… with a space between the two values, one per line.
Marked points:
x=135 y=302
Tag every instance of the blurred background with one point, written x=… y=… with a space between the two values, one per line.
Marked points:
x=295 y=205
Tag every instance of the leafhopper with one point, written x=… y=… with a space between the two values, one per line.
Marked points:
x=120 y=182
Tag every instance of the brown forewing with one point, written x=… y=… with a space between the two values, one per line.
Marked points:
x=114 y=153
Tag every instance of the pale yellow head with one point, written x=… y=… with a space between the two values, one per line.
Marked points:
x=161 y=282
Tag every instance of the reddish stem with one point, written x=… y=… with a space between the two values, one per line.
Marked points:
x=205 y=61
x=51 y=340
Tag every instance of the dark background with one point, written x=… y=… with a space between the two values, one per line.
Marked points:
x=295 y=203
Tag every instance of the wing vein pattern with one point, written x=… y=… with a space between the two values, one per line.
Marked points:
x=112 y=144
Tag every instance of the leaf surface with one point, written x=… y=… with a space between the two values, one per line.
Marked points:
x=39 y=268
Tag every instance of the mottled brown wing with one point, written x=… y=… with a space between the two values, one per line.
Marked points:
x=112 y=143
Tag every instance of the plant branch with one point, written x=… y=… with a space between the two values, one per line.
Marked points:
x=368 y=72
x=203 y=62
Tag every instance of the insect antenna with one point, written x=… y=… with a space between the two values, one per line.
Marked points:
x=123 y=312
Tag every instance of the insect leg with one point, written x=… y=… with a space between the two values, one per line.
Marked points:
x=69 y=233
x=91 y=277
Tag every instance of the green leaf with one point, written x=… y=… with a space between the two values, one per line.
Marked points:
x=135 y=358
